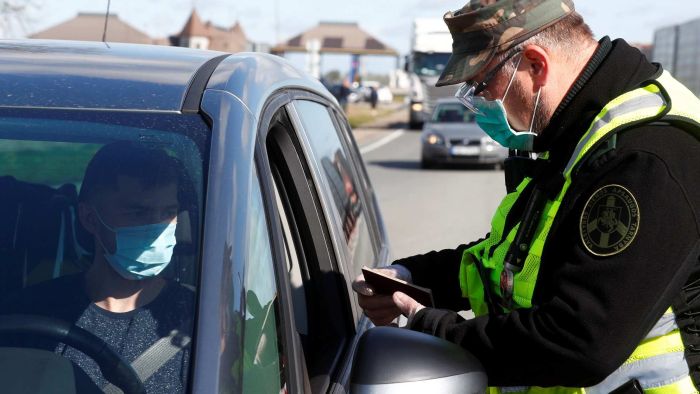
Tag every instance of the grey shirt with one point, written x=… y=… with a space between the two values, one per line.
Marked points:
x=129 y=334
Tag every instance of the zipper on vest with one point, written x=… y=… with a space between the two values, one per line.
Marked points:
x=515 y=214
x=513 y=217
x=517 y=253
x=514 y=260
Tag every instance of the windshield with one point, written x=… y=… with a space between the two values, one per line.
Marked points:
x=100 y=221
x=430 y=64
x=452 y=113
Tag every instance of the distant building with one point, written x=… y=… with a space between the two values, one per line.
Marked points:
x=336 y=37
x=204 y=35
x=677 y=48
x=646 y=49
x=90 y=27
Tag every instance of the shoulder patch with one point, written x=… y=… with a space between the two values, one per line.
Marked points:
x=609 y=221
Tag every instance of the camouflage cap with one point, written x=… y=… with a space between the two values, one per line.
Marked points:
x=480 y=31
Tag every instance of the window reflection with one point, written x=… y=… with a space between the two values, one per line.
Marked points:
x=343 y=190
x=96 y=230
x=262 y=359
x=339 y=183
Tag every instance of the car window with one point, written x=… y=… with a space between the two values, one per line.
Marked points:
x=430 y=64
x=263 y=358
x=91 y=208
x=452 y=113
x=339 y=182
x=321 y=309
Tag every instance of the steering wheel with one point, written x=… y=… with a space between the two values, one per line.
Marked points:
x=112 y=365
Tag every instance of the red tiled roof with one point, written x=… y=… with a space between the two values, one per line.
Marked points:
x=232 y=39
x=194 y=26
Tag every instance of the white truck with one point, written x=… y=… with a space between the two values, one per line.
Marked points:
x=431 y=46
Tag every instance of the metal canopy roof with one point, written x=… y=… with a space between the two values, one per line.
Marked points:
x=337 y=37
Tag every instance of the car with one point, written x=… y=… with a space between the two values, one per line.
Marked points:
x=273 y=218
x=451 y=136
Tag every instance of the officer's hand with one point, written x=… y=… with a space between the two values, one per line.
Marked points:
x=380 y=308
x=407 y=305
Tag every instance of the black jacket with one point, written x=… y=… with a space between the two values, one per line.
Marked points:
x=589 y=312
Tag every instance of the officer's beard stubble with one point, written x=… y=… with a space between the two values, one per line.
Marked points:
x=542 y=113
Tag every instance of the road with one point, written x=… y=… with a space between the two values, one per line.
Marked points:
x=426 y=210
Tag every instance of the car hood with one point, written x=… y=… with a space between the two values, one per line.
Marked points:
x=455 y=130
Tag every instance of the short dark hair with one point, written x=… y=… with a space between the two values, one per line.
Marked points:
x=150 y=166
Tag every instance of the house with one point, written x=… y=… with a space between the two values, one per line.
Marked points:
x=90 y=27
x=205 y=35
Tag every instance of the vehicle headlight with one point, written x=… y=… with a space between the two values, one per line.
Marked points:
x=489 y=143
x=434 y=139
x=417 y=107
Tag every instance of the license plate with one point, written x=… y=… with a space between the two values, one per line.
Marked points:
x=464 y=150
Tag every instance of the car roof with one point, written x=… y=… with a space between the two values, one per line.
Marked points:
x=254 y=77
x=76 y=74
x=116 y=76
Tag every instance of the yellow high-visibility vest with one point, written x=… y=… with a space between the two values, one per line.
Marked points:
x=662 y=352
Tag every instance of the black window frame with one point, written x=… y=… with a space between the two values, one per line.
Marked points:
x=285 y=159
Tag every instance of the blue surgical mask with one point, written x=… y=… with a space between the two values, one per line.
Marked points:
x=493 y=119
x=141 y=251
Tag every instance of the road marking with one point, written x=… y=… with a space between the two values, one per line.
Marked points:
x=396 y=134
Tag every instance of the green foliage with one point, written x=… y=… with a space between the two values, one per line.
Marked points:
x=49 y=163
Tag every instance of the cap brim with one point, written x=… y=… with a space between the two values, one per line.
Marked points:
x=463 y=67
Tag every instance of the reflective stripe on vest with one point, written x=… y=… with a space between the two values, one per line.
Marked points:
x=658 y=362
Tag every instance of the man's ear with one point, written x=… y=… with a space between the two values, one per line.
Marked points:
x=538 y=60
x=88 y=217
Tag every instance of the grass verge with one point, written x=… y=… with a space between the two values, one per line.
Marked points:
x=361 y=114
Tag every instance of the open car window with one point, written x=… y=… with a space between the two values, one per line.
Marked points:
x=340 y=183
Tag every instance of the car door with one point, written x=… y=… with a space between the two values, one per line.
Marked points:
x=327 y=227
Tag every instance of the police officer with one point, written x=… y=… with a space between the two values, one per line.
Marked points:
x=589 y=277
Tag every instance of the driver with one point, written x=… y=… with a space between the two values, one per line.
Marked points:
x=128 y=203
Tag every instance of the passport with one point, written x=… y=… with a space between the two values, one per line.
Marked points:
x=386 y=285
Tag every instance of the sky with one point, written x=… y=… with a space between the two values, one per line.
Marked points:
x=270 y=21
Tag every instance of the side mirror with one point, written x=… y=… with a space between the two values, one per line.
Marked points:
x=395 y=360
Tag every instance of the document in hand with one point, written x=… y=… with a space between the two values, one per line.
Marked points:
x=387 y=285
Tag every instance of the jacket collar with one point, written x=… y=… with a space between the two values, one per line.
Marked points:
x=614 y=68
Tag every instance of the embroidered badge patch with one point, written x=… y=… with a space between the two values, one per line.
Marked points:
x=609 y=221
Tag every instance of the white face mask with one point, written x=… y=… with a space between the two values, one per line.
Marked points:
x=141 y=251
